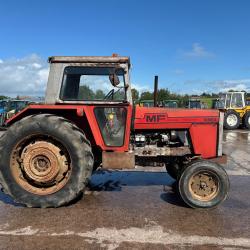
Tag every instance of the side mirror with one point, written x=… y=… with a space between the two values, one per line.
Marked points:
x=114 y=79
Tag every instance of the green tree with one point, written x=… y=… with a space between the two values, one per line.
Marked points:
x=85 y=93
x=163 y=94
x=99 y=94
x=2 y=97
x=147 y=95
x=204 y=94
x=135 y=94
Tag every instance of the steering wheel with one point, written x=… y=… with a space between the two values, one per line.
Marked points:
x=110 y=94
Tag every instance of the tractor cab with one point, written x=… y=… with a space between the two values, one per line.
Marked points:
x=88 y=80
x=99 y=85
x=194 y=103
x=236 y=108
x=232 y=100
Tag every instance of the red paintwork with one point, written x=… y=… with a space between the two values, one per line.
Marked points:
x=80 y=111
x=201 y=124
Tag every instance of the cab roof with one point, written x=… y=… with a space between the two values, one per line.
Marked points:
x=89 y=59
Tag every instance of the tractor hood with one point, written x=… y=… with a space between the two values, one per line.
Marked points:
x=161 y=118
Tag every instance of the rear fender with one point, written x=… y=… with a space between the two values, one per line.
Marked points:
x=73 y=113
x=82 y=116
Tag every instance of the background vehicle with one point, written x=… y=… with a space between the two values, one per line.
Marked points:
x=10 y=108
x=195 y=103
x=146 y=103
x=88 y=120
x=165 y=103
x=170 y=103
x=248 y=102
x=236 y=108
x=3 y=104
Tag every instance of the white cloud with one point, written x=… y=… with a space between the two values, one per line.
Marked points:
x=23 y=76
x=37 y=65
x=141 y=88
x=238 y=84
x=179 y=71
x=1 y=61
x=198 y=51
x=199 y=86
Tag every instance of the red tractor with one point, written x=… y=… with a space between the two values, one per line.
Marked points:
x=49 y=151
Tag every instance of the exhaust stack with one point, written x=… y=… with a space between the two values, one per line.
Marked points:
x=155 y=91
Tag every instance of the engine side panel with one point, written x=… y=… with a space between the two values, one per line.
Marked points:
x=202 y=125
x=204 y=139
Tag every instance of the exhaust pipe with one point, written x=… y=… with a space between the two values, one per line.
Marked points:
x=155 y=91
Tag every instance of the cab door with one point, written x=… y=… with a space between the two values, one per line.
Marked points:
x=114 y=122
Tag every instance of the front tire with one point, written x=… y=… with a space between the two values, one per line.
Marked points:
x=231 y=120
x=46 y=161
x=174 y=167
x=203 y=184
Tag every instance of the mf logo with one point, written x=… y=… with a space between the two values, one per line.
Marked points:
x=154 y=118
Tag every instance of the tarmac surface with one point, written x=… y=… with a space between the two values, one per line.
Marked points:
x=137 y=210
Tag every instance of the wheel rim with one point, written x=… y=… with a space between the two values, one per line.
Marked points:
x=232 y=120
x=248 y=120
x=204 y=185
x=40 y=166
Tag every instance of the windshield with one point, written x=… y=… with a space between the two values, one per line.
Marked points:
x=221 y=102
x=93 y=84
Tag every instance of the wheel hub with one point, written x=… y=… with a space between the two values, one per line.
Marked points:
x=232 y=120
x=40 y=161
x=204 y=186
x=42 y=167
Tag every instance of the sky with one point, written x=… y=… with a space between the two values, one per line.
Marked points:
x=194 y=46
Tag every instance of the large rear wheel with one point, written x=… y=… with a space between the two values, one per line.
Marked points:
x=46 y=161
x=247 y=120
x=203 y=184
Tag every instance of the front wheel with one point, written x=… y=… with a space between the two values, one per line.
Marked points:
x=45 y=161
x=231 y=120
x=203 y=184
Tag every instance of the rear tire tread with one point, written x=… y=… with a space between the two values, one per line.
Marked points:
x=79 y=140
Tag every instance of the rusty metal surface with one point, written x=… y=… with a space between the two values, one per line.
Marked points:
x=204 y=185
x=118 y=160
x=40 y=167
x=151 y=150
x=89 y=59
